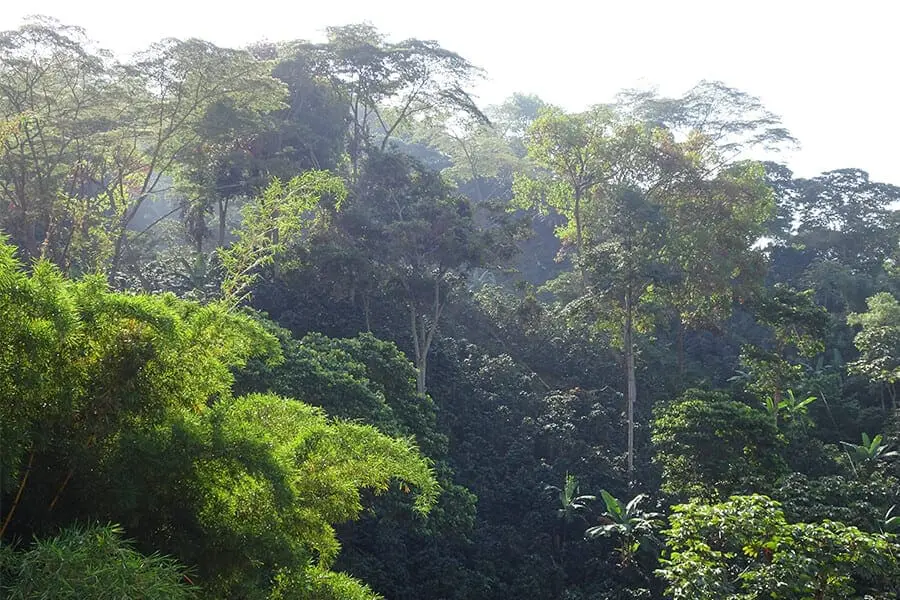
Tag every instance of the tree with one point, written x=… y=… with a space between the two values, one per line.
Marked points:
x=480 y=156
x=798 y=326
x=835 y=232
x=710 y=446
x=417 y=240
x=638 y=245
x=100 y=137
x=878 y=342
x=845 y=216
x=183 y=81
x=55 y=81
x=119 y=408
x=650 y=166
x=386 y=84
x=734 y=121
x=241 y=148
x=574 y=151
x=746 y=548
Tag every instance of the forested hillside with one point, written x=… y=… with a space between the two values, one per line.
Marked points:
x=305 y=321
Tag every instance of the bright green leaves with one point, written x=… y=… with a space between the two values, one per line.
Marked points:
x=119 y=407
x=82 y=361
x=91 y=562
x=361 y=378
x=272 y=222
x=789 y=408
x=878 y=341
x=316 y=583
x=278 y=472
x=571 y=502
x=746 y=548
x=867 y=456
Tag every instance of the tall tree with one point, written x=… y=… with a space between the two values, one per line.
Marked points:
x=100 y=137
x=878 y=342
x=55 y=80
x=574 y=152
x=386 y=84
x=734 y=121
x=418 y=238
x=638 y=245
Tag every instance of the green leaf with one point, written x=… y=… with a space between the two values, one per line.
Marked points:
x=613 y=506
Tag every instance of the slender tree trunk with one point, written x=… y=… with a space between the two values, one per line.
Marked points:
x=418 y=347
x=420 y=375
x=198 y=249
x=423 y=335
x=61 y=489
x=223 y=214
x=776 y=393
x=12 y=509
x=118 y=250
x=776 y=400
x=578 y=234
x=629 y=375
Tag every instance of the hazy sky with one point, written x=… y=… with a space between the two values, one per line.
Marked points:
x=827 y=67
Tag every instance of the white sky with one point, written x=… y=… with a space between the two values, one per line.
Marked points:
x=827 y=67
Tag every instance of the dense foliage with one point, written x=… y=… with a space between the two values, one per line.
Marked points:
x=303 y=321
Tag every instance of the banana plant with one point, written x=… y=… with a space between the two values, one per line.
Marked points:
x=634 y=528
x=865 y=456
x=571 y=503
x=789 y=408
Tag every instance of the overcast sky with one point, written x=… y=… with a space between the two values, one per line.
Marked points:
x=828 y=68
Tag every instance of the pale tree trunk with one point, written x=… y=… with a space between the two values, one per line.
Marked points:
x=578 y=234
x=419 y=345
x=578 y=238
x=631 y=396
x=423 y=334
x=420 y=374
x=223 y=217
